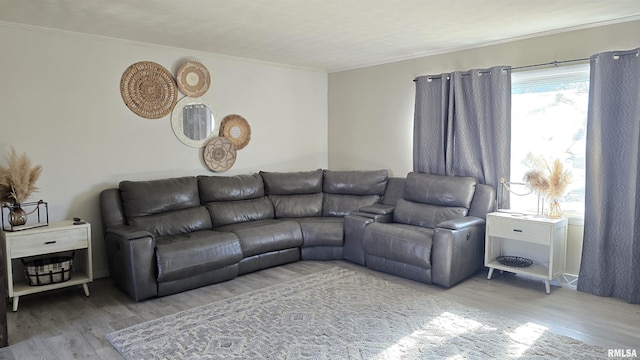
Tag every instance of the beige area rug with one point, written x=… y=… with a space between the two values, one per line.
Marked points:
x=342 y=314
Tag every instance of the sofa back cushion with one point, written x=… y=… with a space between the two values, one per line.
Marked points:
x=231 y=212
x=230 y=188
x=355 y=182
x=164 y=207
x=297 y=206
x=431 y=199
x=425 y=215
x=484 y=201
x=394 y=191
x=294 y=194
x=292 y=183
x=174 y=222
x=142 y=198
x=234 y=199
x=348 y=191
x=451 y=191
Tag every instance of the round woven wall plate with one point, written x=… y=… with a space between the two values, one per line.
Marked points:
x=193 y=79
x=237 y=129
x=219 y=154
x=148 y=89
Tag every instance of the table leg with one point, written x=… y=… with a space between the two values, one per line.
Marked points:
x=490 y=273
x=85 y=287
x=547 y=287
x=15 y=303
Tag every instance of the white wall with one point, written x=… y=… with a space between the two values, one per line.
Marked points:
x=371 y=109
x=60 y=103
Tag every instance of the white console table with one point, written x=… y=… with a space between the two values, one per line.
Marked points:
x=541 y=239
x=56 y=237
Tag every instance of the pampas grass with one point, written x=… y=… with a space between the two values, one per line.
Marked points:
x=544 y=180
x=537 y=181
x=18 y=179
x=559 y=180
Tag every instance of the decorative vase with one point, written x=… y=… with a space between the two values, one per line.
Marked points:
x=554 y=209
x=17 y=215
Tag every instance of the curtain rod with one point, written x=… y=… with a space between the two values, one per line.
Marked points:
x=554 y=63
x=635 y=52
x=463 y=73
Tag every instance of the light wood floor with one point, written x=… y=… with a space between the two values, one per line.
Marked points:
x=64 y=324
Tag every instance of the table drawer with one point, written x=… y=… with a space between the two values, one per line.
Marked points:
x=48 y=242
x=530 y=231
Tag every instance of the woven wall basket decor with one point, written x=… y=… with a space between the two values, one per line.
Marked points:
x=219 y=154
x=237 y=129
x=193 y=79
x=148 y=89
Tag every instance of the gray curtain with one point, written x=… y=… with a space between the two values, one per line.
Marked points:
x=462 y=124
x=431 y=132
x=610 y=264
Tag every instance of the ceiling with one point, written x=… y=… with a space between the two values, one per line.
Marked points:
x=331 y=35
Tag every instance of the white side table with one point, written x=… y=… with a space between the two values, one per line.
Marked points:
x=541 y=239
x=56 y=237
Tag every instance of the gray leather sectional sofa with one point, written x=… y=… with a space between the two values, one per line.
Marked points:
x=170 y=235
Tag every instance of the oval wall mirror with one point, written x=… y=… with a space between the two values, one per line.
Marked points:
x=192 y=121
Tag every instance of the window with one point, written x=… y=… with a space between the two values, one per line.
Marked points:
x=549 y=120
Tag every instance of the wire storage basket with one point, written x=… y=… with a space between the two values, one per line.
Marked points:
x=50 y=270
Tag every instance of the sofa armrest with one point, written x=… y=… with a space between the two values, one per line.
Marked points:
x=353 y=229
x=457 y=251
x=132 y=260
x=378 y=212
x=379 y=209
x=461 y=223
x=126 y=232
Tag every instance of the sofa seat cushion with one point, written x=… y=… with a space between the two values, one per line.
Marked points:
x=399 y=242
x=263 y=236
x=184 y=255
x=267 y=260
x=322 y=231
